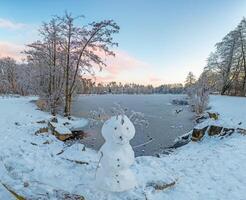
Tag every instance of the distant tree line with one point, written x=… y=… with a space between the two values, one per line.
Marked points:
x=90 y=87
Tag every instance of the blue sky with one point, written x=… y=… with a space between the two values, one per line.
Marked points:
x=160 y=41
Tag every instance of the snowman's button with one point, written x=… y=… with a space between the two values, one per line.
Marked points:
x=118 y=159
x=115 y=128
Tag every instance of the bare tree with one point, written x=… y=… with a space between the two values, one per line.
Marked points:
x=8 y=75
x=65 y=52
x=228 y=61
x=83 y=48
x=48 y=56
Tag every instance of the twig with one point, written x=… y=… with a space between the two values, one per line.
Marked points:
x=76 y=161
x=98 y=164
x=143 y=144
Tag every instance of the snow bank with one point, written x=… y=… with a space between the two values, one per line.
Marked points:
x=210 y=169
x=232 y=110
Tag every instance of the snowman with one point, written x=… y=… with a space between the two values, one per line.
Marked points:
x=117 y=155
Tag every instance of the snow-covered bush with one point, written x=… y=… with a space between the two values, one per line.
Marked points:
x=199 y=95
x=100 y=115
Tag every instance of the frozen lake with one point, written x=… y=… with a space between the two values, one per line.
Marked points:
x=164 y=123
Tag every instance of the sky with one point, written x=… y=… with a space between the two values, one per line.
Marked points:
x=160 y=41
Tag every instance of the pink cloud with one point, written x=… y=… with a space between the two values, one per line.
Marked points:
x=105 y=79
x=121 y=68
x=11 y=50
x=154 y=79
x=122 y=63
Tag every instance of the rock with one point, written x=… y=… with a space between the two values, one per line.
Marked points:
x=25 y=184
x=83 y=148
x=214 y=116
x=42 y=130
x=167 y=151
x=41 y=122
x=60 y=131
x=66 y=123
x=180 y=143
x=62 y=195
x=160 y=185
x=241 y=131
x=54 y=120
x=201 y=119
x=47 y=142
x=227 y=131
x=180 y=102
x=80 y=134
x=42 y=104
x=185 y=137
x=17 y=123
x=157 y=155
x=214 y=130
x=197 y=134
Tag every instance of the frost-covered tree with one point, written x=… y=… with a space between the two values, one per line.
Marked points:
x=47 y=59
x=16 y=78
x=199 y=94
x=83 y=49
x=190 y=80
x=228 y=62
x=67 y=50
x=8 y=75
x=189 y=83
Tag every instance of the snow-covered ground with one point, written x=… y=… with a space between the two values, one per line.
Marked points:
x=211 y=169
x=232 y=110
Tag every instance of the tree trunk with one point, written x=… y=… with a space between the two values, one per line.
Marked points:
x=66 y=108
x=224 y=89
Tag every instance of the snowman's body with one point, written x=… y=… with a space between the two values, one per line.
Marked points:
x=117 y=155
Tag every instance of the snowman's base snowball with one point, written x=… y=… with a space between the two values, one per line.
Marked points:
x=115 y=182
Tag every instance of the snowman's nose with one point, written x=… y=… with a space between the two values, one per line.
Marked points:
x=121 y=138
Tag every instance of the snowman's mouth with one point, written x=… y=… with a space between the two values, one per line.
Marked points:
x=122 y=142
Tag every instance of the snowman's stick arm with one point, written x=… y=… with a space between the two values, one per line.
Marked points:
x=98 y=163
x=143 y=144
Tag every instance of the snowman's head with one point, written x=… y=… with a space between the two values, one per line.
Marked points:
x=118 y=129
